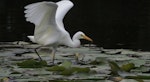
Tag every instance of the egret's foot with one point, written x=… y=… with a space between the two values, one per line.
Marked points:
x=79 y=59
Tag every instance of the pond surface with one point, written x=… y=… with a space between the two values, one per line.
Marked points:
x=85 y=64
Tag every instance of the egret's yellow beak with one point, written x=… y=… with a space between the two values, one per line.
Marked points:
x=87 y=38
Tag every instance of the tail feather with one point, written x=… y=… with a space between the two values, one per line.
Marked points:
x=31 y=38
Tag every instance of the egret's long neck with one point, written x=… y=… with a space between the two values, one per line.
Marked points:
x=75 y=42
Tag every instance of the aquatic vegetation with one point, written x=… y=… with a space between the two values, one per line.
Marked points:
x=32 y=64
x=120 y=65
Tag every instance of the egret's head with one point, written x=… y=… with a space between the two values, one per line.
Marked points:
x=81 y=35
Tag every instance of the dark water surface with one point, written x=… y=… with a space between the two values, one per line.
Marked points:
x=111 y=24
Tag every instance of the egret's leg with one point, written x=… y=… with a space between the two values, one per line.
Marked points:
x=53 y=55
x=77 y=57
x=38 y=54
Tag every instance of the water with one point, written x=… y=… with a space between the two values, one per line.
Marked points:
x=111 y=24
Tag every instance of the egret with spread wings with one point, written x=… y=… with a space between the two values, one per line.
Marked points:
x=49 y=28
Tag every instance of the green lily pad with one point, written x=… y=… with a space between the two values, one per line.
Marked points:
x=138 y=77
x=81 y=70
x=66 y=69
x=114 y=68
x=142 y=69
x=56 y=68
x=72 y=70
x=127 y=67
x=32 y=64
x=66 y=64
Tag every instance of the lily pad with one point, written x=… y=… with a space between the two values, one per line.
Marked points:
x=138 y=62
x=114 y=68
x=72 y=70
x=56 y=68
x=65 y=70
x=66 y=64
x=32 y=64
x=127 y=67
x=129 y=80
x=138 y=77
x=98 y=61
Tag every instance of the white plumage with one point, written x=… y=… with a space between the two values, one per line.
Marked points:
x=49 y=27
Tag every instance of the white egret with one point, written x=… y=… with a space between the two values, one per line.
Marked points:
x=49 y=27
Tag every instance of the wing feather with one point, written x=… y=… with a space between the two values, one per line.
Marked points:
x=63 y=7
x=36 y=12
x=42 y=14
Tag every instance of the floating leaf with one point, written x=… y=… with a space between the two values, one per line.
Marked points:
x=127 y=67
x=32 y=64
x=81 y=70
x=66 y=64
x=128 y=80
x=56 y=68
x=72 y=70
x=138 y=62
x=66 y=69
x=114 y=68
x=138 y=77
x=67 y=72
x=98 y=61
x=142 y=69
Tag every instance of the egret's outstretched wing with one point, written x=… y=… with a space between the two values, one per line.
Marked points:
x=40 y=12
x=63 y=7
